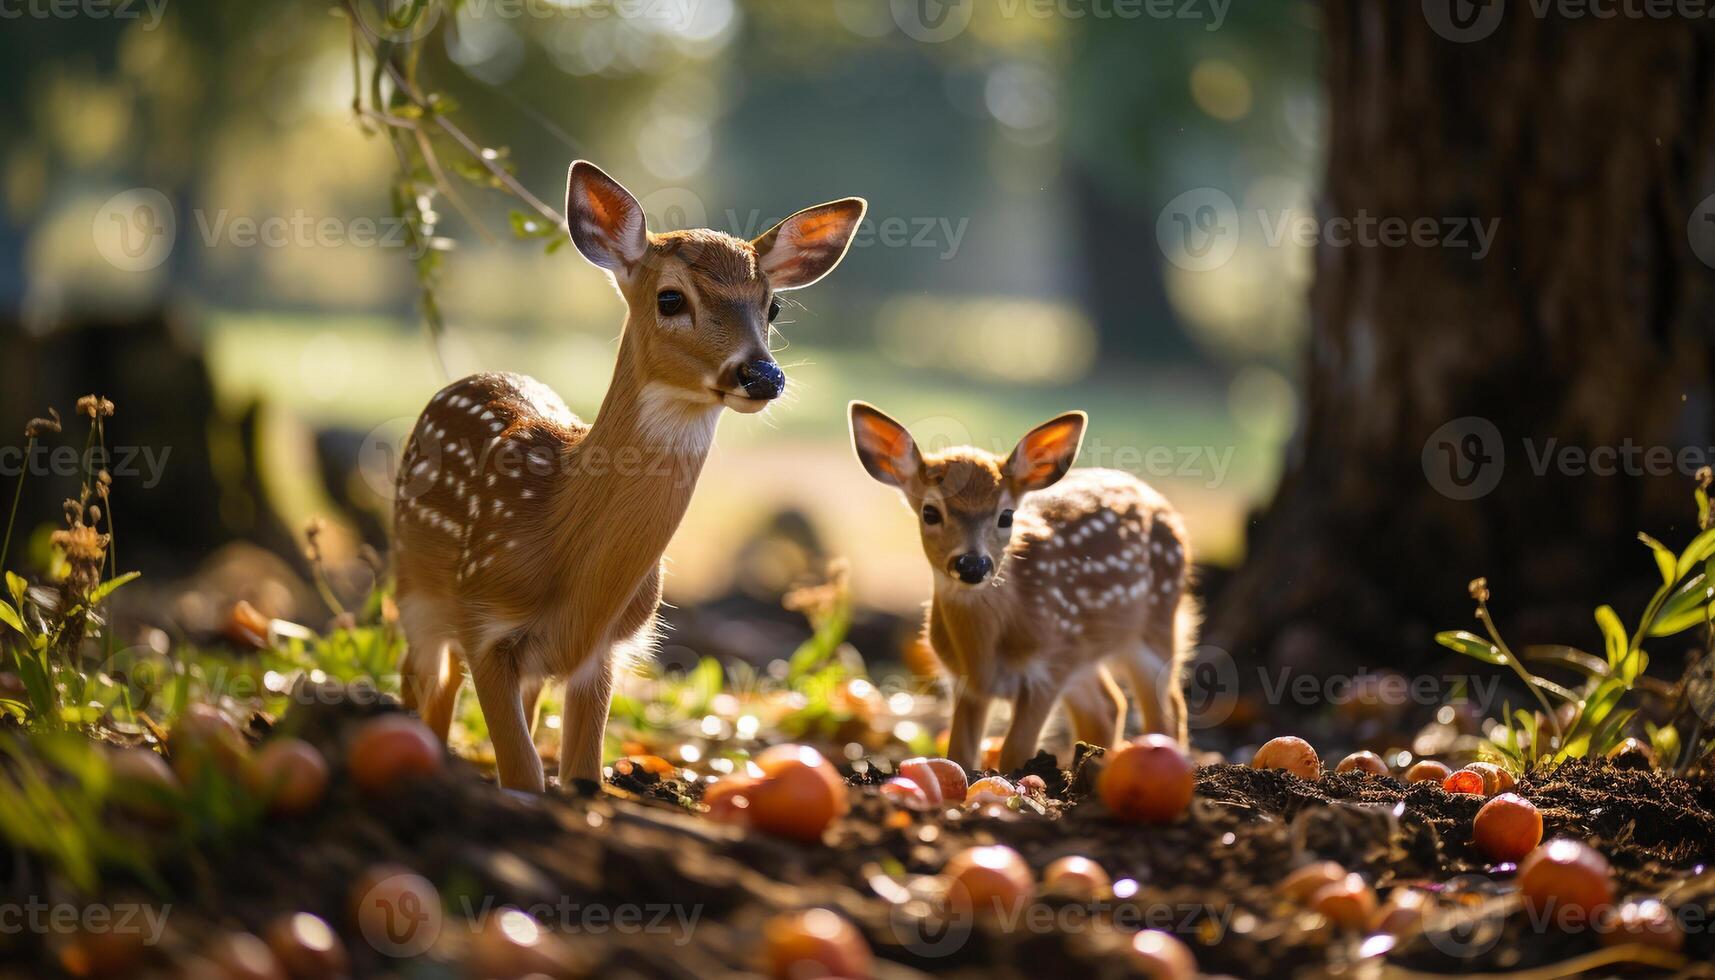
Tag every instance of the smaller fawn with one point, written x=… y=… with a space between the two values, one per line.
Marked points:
x=528 y=542
x=1037 y=591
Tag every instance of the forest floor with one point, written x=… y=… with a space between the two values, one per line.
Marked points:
x=640 y=883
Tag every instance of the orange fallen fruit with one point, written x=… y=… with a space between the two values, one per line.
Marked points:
x=814 y=943
x=988 y=880
x=799 y=795
x=1367 y=762
x=1161 y=956
x=1507 y=828
x=1348 y=903
x=942 y=780
x=291 y=775
x=1427 y=770
x=1076 y=878
x=1149 y=780
x=1566 y=876
x=1291 y=753
x=391 y=749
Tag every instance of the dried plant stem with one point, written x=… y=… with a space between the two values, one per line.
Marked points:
x=17 y=494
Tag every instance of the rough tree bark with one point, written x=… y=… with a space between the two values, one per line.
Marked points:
x=1588 y=325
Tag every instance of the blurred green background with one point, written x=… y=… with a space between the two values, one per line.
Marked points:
x=199 y=165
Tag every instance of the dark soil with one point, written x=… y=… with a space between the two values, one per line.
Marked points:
x=1210 y=878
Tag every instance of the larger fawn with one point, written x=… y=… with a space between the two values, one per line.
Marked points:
x=1044 y=577
x=528 y=542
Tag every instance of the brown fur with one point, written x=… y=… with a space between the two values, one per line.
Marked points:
x=1093 y=572
x=528 y=543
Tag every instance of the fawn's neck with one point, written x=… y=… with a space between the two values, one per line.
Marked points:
x=974 y=620
x=630 y=479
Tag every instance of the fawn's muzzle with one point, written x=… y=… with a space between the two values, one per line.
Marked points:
x=972 y=568
x=761 y=379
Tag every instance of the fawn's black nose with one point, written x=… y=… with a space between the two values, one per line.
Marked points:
x=972 y=568
x=762 y=379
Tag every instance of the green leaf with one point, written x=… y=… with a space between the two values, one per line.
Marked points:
x=1609 y=623
x=107 y=588
x=10 y=617
x=1684 y=608
x=17 y=587
x=1471 y=645
x=1700 y=549
x=1665 y=739
x=1608 y=735
x=1571 y=658
x=1554 y=689
x=1664 y=560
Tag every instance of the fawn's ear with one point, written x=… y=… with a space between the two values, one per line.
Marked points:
x=1046 y=452
x=606 y=222
x=805 y=247
x=883 y=446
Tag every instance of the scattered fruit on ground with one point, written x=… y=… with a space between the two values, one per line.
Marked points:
x=905 y=792
x=291 y=775
x=391 y=749
x=143 y=783
x=989 y=880
x=1464 y=781
x=990 y=789
x=1303 y=883
x=1076 y=878
x=511 y=946
x=1363 y=762
x=1149 y=780
x=942 y=780
x=799 y=795
x=814 y=943
x=1427 y=770
x=1507 y=828
x=1565 y=875
x=203 y=736
x=1348 y=903
x=1495 y=779
x=307 y=947
x=1291 y=753
x=1161 y=956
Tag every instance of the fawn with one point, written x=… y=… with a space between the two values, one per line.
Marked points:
x=528 y=542
x=1037 y=590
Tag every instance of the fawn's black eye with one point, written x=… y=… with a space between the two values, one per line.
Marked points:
x=773 y=309
x=931 y=514
x=670 y=302
x=1005 y=518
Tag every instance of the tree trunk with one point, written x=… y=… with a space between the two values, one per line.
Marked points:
x=1447 y=396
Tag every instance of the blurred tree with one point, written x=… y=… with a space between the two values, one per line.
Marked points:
x=1441 y=387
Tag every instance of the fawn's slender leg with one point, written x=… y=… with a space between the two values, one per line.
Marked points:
x=1096 y=705
x=1164 y=642
x=531 y=690
x=499 y=690
x=1144 y=670
x=1030 y=711
x=431 y=674
x=970 y=718
x=583 y=721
